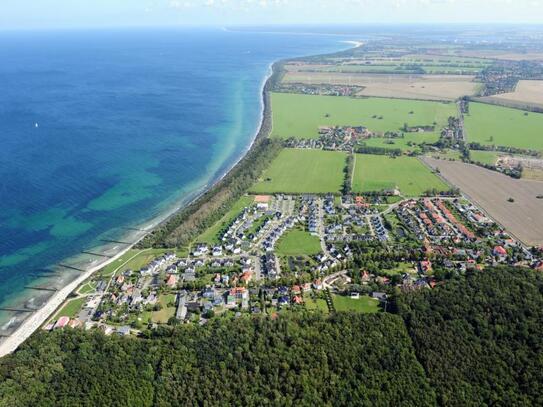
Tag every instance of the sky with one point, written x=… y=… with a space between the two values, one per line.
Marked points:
x=28 y=14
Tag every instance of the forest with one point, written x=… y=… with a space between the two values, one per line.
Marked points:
x=472 y=340
x=479 y=337
x=347 y=359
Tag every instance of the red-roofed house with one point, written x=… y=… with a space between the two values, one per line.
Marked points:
x=62 y=322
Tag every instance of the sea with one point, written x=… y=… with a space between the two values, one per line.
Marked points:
x=103 y=133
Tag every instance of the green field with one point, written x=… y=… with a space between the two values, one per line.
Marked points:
x=298 y=242
x=88 y=288
x=211 y=235
x=484 y=157
x=162 y=316
x=403 y=143
x=379 y=172
x=364 y=304
x=317 y=304
x=301 y=115
x=72 y=308
x=502 y=126
x=303 y=171
x=446 y=155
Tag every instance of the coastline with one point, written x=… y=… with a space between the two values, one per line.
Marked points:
x=32 y=323
x=184 y=205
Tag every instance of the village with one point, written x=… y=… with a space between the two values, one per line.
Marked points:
x=366 y=247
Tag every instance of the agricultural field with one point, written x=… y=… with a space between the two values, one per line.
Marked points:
x=407 y=143
x=298 y=242
x=484 y=157
x=300 y=116
x=303 y=171
x=380 y=172
x=211 y=234
x=445 y=154
x=413 y=63
x=408 y=86
x=503 y=126
x=491 y=191
x=526 y=92
x=363 y=304
x=506 y=55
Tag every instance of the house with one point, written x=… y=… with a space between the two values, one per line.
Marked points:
x=499 y=251
x=62 y=322
x=297 y=300
x=355 y=296
x=425 y=266
x=123 y=330
x=74 y=323
x=239 y=292
x=284 y=300
x=317 y=284
x=378 y=295
x=296 y=290
x=171 y=281
x=246 y=277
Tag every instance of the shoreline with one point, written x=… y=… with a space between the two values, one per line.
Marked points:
x=31 y=324
x=263 y=128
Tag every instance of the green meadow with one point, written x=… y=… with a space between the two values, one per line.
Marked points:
x=71 y=308
x=379 y=172
x=298 y=242
x=303 y=171
x=301 y=115
x=484 y=157
x=503 y=126
x=211 y=234
x=364 y=304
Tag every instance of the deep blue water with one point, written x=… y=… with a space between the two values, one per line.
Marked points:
x=104 y=129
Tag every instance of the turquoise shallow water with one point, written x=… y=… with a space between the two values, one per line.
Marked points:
x=102 y=130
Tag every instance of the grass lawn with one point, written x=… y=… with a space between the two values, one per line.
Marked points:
x=502 y=126
x=402 y=268
x=446 y=155
x=364 y=304
x=379 y=172
x=88 y=287
x=484 y=157
x=303 y=171
x=211 y=235
x=402 y=143
x=162 y=316
x=301 y=115
x=316 y=304
x=72 y=308
x=298 y=242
